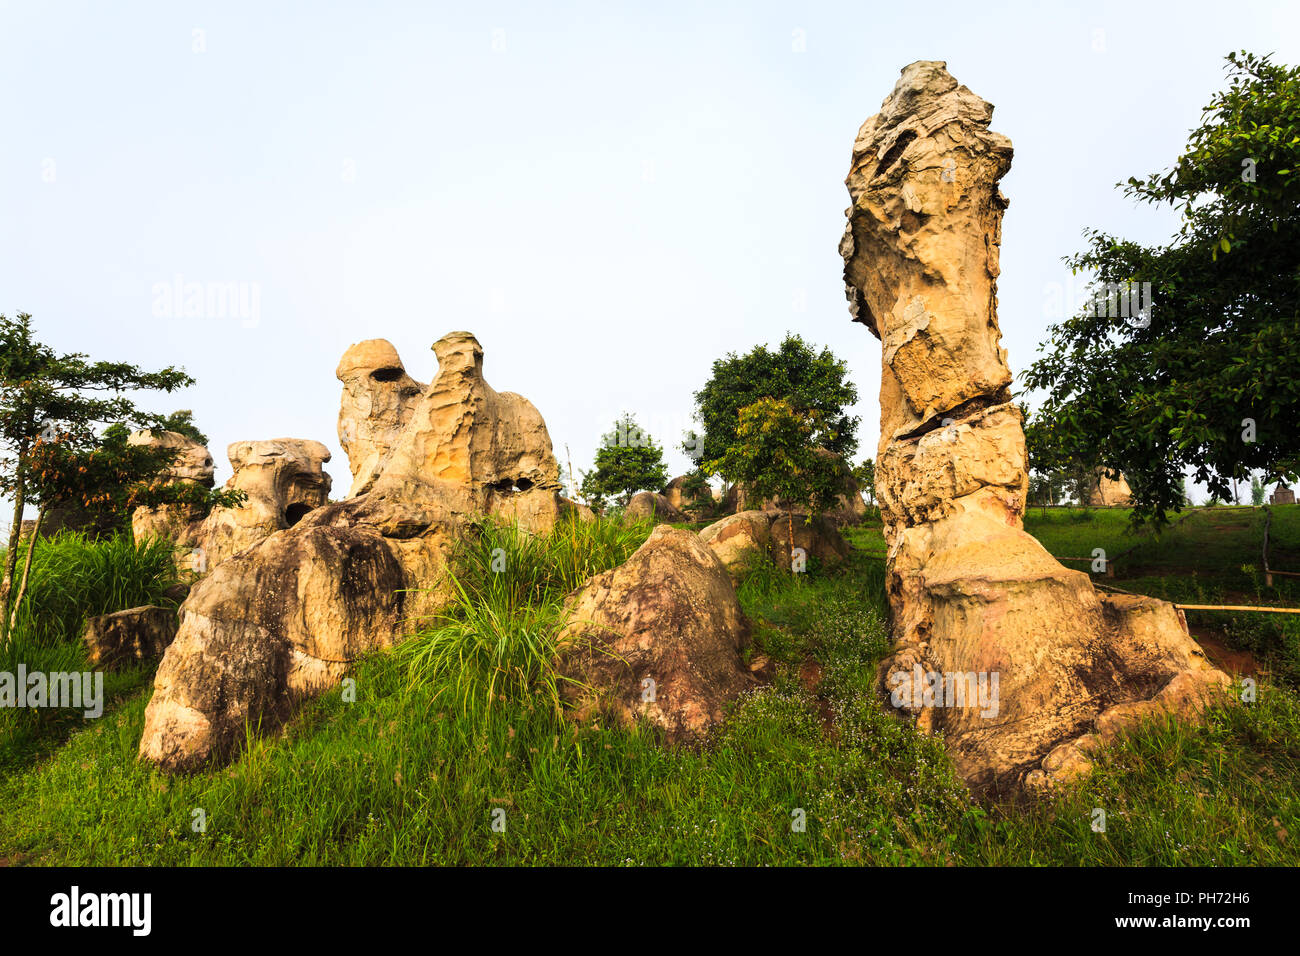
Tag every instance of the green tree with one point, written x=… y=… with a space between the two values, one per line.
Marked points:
x=776 y=455
x=1056 y=470
x=52 y=409
x=1257 y=492
x=865 y=475
x=809 y=381
x=182 y=422
x=1199 y=369
x=627 y=461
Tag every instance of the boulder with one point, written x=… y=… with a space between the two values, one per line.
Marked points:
x=818 y=537
x=1106 y=492
x=284 y=618
x=740 y=540
x=1007 y=653
x=654 y=506
x=658 y=638
x=136 y=634
x=577 y=508
x=680 y=497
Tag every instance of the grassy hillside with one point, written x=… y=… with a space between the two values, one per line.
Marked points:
x=417 y=769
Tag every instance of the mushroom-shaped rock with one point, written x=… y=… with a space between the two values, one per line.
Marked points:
x=378 y=400
x=658 y=638
x=975 y=598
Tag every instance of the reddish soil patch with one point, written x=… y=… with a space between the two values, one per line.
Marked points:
x=810 y=678
x=1222 y=656
x=810 y=675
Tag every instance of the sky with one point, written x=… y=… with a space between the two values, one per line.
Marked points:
x=609 y=196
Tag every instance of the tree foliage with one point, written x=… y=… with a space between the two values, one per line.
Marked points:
x=809 y=381
x=53 y=412
x=779 y=453
x=627 y=461
x=1205 y=379
x=865 y=475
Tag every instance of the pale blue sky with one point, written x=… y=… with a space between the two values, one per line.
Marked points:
x=609 y=196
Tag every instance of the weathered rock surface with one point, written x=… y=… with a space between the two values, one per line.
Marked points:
x=576 y=508
x=972 y=594
x=193 y=461
x=650 y=504
x=378 y=401
x=818 y=538
x=284 y=480
x=136 y=634
x=282 y=477
x=284 y=618
x=193 y=464
x=680 y=497
x=740 y=540
x=1106 y=492
x=658 y=638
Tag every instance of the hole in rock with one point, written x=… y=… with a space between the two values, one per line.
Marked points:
x=294 y=513
x=386 y=374
x=894 y=152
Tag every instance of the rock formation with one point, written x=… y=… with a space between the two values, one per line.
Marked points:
x=284 y=618
x=193 y=464
x=681 y=498
x=1103 y=492
x=972 y=595
x=282 y=478
x=136 y=634
x=657 y=507
x=658 y=638
x=740 y=539
x=848 y=508
x=378 y=400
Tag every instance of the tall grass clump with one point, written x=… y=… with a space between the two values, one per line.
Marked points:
x=75 y=577
x=496 y=639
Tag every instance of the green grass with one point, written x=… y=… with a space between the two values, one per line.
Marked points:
x=413 y=770
x=74 y=578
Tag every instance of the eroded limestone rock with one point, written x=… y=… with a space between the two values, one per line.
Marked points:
x=193 y=464
x=378 y=400
x=284 y=618
x=971 y=593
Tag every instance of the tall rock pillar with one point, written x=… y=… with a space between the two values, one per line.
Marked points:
x=1017 y=659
